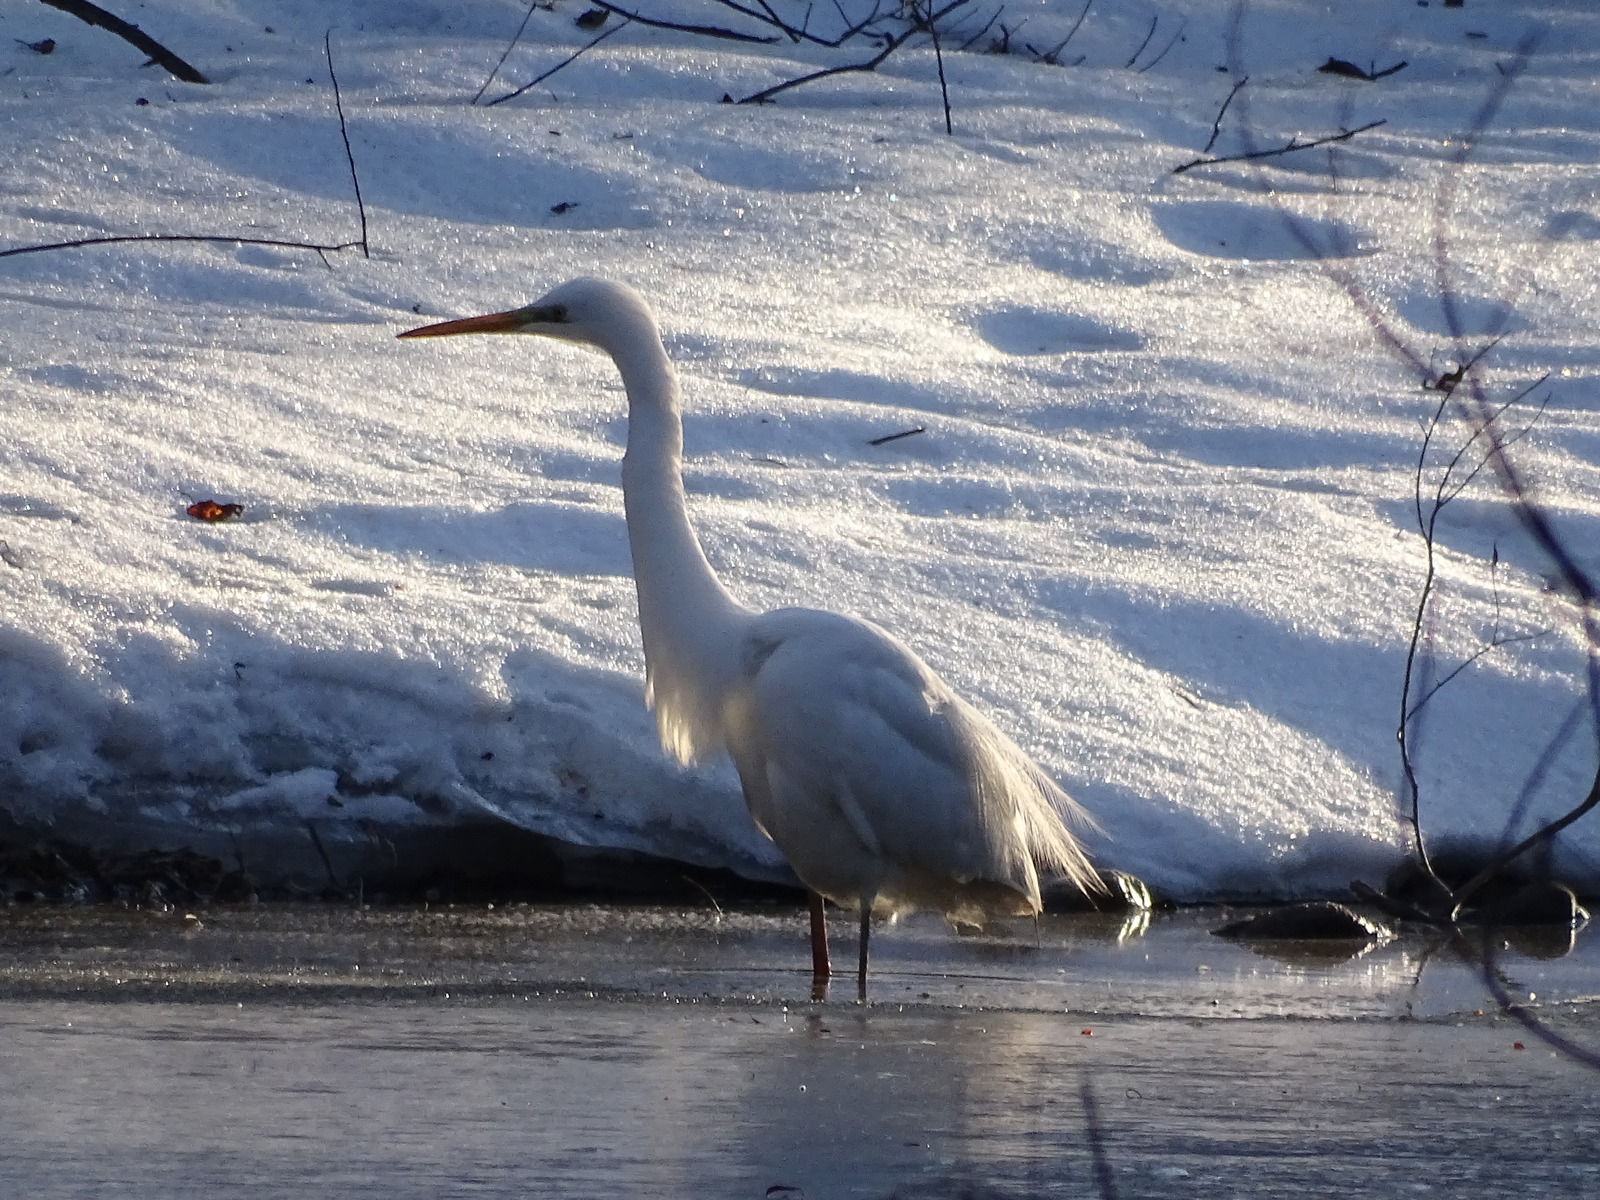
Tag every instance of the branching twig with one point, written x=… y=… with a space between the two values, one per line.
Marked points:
x=891 y=43
x=1165 y=50
x=711 y=31
x=987 y=25
x=1134 y=57
x=571 y=58
x=1294 y=144
x=1543 y=834
x=802 y=33
x=93 y=14
x=338 y=104
x=1216 y=125
x=515 y=38
x=1051 y=56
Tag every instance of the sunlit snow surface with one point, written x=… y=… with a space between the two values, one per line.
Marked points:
x=1158 y=522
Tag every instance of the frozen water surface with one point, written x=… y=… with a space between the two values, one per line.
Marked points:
x=614 y=1052
x=1157 y=522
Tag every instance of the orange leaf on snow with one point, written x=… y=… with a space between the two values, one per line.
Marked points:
x=210 y=510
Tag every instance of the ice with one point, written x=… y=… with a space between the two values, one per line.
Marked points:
x=1158 y=521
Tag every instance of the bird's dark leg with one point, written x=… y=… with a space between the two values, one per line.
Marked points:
x=819 y=950
x=866 y=928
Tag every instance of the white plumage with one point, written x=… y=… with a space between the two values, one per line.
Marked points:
x=883 y=788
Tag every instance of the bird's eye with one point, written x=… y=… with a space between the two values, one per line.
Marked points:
x=551 y=314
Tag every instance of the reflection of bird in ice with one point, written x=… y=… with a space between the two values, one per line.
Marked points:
x=885 y=790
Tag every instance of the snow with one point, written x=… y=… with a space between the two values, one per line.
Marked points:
x=1158 y=524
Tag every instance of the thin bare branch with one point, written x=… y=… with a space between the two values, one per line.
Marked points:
x=1485 y=957
x=1216 y=124
x=93 y=14
x=938 y=58
x=1167 y=49
x=222 y=238
x=515 y=38
x=571 y=58
x=891 y=43
x=355 y=181
x=1294 y=144
x=711 y=31
x=1134 y=57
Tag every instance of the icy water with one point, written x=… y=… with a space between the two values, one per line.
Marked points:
x=606 y=1052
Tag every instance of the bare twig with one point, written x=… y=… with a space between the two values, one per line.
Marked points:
x=181 y=237
x=1294 y=144
x=1485 y=957
x=1071 y=33
x=711 y=31
x=1134 y=57
x=988 y=25
x=93 y=14
x=1167 y=49
x=1216 y=124
x=938 y=58
x=515 y=38
x=338 y=104
x=895 y=437
x=891 y=43
x=802 y=33
x=571 y=58
x=1543 y=834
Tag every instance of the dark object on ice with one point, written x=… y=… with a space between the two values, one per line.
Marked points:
x=42 y=46
x=1319 y=920
x=1543 y=902
x=1511 y=896
x=563 y=206
x=592 y=19
x=1339 y=66
x=1123 y=893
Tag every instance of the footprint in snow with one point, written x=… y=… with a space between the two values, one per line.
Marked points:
x=1040 y=331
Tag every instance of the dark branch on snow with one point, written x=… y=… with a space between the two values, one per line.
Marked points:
x=93 y=14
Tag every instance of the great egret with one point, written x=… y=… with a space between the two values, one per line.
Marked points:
x=884 y=789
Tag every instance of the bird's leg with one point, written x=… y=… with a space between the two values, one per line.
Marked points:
x=819 y=949
x=866 y=928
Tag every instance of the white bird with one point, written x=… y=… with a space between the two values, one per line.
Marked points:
x=883 y=788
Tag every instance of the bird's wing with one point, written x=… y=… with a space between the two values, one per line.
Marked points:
x=850 y=722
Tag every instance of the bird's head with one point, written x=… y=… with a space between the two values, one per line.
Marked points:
x=592 y=312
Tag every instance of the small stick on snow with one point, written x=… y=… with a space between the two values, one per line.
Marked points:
x=1216 y=125
x=338 y=104
x=1182 y=25
x=938 y=58
x=571 y=58
x=511 y=45
x=895 y=437
x=712 y=31
x=1294 y=144
x=181 y=237
x=1134 y=57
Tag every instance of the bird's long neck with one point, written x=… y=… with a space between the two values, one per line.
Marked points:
x=689 y=621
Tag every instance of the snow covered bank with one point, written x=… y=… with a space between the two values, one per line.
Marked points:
x=1157 y=522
